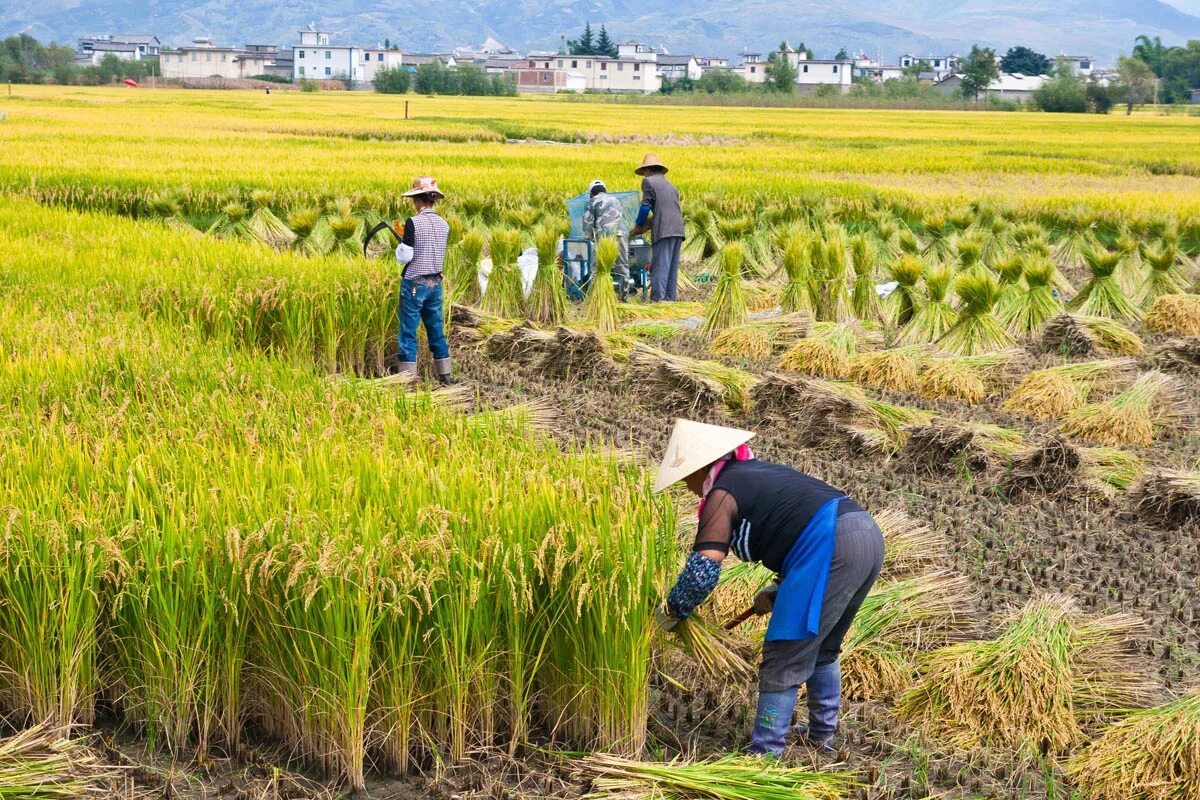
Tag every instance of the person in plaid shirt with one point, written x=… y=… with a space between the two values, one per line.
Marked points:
x=606 y=217
x=420 y=254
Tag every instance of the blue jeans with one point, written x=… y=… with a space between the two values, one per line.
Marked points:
x=664 y=267
x=421 y=302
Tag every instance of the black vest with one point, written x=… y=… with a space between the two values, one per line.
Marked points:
x=774 y=504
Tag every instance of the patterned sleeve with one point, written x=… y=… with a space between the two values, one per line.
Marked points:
x=697 y=580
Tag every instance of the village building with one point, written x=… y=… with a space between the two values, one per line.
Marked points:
x=541 y=76
x=125 y=46
x=1013 y=87
x=414 y=60
x=874 y=69
x=675 y=67
x=753 y=68
x=937 y=67
x=632 y=73
x=204 y=59
x=813 y=73
x=317 y=58
x=1080 y=66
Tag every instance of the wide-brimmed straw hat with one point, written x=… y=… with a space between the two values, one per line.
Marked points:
x=695 y=445
x=424 y=185
x=651 y=160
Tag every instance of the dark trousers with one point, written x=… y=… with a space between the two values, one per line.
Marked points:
x=421 y=303
x=857 y=559
x=664 y=268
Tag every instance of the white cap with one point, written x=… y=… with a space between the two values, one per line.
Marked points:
x=404 y=254
x=595 y=185
x=695 y=445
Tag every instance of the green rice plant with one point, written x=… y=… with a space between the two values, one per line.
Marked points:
x=308 y=239
x=1131 y=267
x=976 y=330
x=347 y=232
x=934 y=316
x=1101 y=296
x=797 y=255
x=1030 y=307
x=726 y=307
x=865 y=300
x=232 y=223
x=265 y=225
x=548 y=301
x=1163 y=276
x=1150 y=754
x=462 y=280
x=1050 y=678
x=828 y=273
x=759 y=339
x=1054 y=392
x=968 y=250
x=729 y=778
x=898 y=620
x=939 y=233
x=1009 y=271
x=1152 y=405
x=600 y=307
x=1075 y=334
x=903 y=302
x=505 y=296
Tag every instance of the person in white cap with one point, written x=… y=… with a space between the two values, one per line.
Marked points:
x=603 y=217
x=825 y=549
x=421 y=254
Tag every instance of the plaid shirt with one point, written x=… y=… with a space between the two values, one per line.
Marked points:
x=430 y=233
x=604 y=217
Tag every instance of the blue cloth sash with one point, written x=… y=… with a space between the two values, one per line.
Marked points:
x=797 y=613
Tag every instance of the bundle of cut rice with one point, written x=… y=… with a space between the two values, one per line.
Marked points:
x=912 y=547
x=1175 y=313
x=1180 y=354
x=687 y=384
x=1055 y=466
x=1169 y=497
x=970 y=379
x=1072 y=334
x=944 y=445
x=761 y=339
x=1053 y=392
x=892 y=370
x=1154 y=404
x=524 y=344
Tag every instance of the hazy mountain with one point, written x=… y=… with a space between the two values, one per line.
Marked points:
x=1081 y=27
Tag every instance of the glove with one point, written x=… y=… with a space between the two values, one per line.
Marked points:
x=764 y=601
x=665 y=620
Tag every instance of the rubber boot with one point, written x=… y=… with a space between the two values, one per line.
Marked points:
x=824 y=702
x=441 y=367
x=772 y=723
x=408 y=368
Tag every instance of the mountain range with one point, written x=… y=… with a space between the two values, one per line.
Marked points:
x=1100 y=28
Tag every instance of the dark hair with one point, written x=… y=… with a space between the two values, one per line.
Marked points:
x=598 y=189
x=431 y=199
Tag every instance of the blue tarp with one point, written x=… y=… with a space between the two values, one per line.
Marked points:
x=631 y=201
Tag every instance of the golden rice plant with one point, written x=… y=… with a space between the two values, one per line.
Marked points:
x=726 y=306
x=976 y=330
x=1053 y=392
x=600 y=306
x=1101 y=296
x=505 y=297
x=894 y=370
x=902 y=304
x=1050 y=678
x=266 y=226
x=1152 y=405
x=309 y=240
x=1177 y=314
x=935 y=316
x=712 y=648
x=462 y=282
x=828 y=276
x=1163 y=276
x=1150 y=754
x=548 y=301
x=970 y=379
x=826 y=352
x=1029 y=307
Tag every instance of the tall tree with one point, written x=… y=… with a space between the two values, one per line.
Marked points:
x=979 y=71
x=1025 y=61
x=1138 y=82
x=585 y=45
x=806 y=50
x=604 y=45
x=780 y=75
x=1151 y=51
x=842 y=55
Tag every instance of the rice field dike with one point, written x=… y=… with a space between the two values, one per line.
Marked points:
x=242 y=556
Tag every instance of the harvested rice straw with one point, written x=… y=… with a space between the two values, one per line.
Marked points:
x=728 y=778
x=938 y=232
x=1051 y=677
x=1130 y=269
x=976 y=330
x=1029 y=308
x=903 y=302
x=232 y=223
x=892 y=370
x=1153 y=404
x=689 y=383
x=524 y=344
x=1101 y=296
x=1053 y=392
x=1169 y=497
x=970 y=379
x=662 y=312
x=265 y=225
x=652 y=329
x=762 y=296
x=943 y=444
x=1175 y=313
x=600 y=306
x=935 y=316
x=760 y=339
x=1179 y=354
x=309 y=240
x=912 y=546
x=827 y=280
x=1010 y=270
x=864 y=301
x=1106 y=471
x=713 y=650
x=40 y=763
x=505 y=296
x=547 y=302
x=817 y=357
x=897 y=620
x=1073 y=334
x=968 y=249
x=726 y=306
x=462 y=282
x=797 y=264
x=1151 y=754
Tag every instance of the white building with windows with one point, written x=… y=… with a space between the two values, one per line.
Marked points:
x=125 y=46
x=813 y=73
x=675 y=67
x=753 y=68
x=628 y=74
x=873 y=68
x=204 y=59
x=317 y=58
x=940 y=66
x=1081 y=66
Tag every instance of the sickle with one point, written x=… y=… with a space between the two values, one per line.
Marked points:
x=379 y=227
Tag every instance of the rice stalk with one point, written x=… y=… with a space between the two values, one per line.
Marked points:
x=1101 y=296
x=865 y=302
x=935 y=316
x=828 y=273
x=892 y=370
x=1163 y=276
x=760 y=339
x=309 y=239
x=902 y=304
x=505 y=297
x=1073 y=334
x=40 y=763
x=728 y=778
x=1053 y=392
x=947 y=445
x=548 y=301
x=600 y=305
x=1152 y=405
x=826 y=352
x=726 y=307
x=462 y=280
x=970 y=379
x=976 y=330
x=912 y=547
x=1177 y=314
x=797 y=256
x=1030 y=307
x=713 y=649
x=686 y=384
x=1169 y=497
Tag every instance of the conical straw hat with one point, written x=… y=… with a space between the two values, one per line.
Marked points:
x=651 y=160
x=695 y=445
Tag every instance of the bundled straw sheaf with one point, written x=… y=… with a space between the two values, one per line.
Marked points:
x=729 y=778
x=1153 y=405
x=1052 y=676
x=41 y=763
x=1053 y=392
x=1177 y=314
x=688 y=384
x=947 y=445
x=1055 y=466
x=760 y=339
x=1072 y=334
x=1168 y=497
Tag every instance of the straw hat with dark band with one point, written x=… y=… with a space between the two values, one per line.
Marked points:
x=651 y=160
x=695 y=445
x=424 y=185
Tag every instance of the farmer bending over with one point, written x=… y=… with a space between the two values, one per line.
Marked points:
x=826 y=550
x=421 y=254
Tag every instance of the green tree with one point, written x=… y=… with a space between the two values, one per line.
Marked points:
x=435 y=78
x=842 y=55
x=1025 y=61
x=1180 y=72
x=915 y=69
x=604 y=45
x=1138 y=82
x=585 y=45
x=1151 y=51
x=1063 y=93
x=807 y=51
x=393 y=80
x=721 y=81
x=780 y=75
x=504 y=86
x=473 y=81
x=979 y=71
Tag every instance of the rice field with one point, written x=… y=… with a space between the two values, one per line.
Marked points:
x=230 y=529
